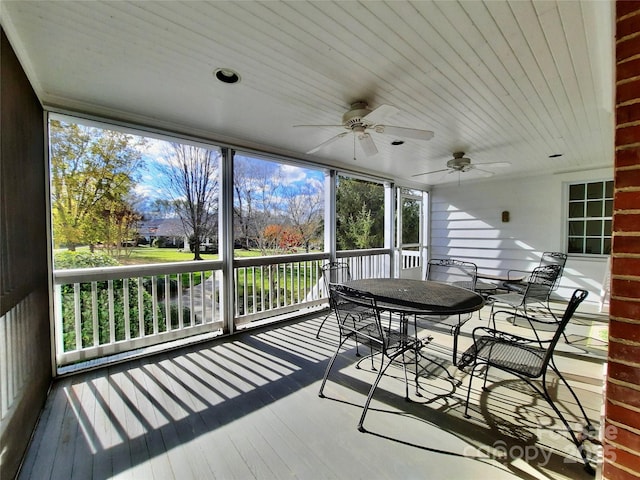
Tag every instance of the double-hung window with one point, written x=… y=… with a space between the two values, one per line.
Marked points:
x=589 y=218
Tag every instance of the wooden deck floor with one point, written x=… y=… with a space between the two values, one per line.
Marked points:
x=247 y=407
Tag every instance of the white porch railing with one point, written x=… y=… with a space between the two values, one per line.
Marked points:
x=276 y=285
x=373 y=263
x=111 y=310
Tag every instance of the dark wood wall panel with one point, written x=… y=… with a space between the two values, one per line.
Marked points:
x=25 y=348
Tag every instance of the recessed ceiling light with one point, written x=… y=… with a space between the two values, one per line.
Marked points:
x=227 y=75
x=555 y=155
x=397 y=142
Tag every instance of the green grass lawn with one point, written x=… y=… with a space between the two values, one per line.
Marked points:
x=142 y=255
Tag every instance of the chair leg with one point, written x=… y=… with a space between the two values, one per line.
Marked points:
x=322 y=324
x=326 y=372
x=383 y=368
x=575 y=397
x=578 y=443
x=456 y=332
x=406 y=379
x=466 y=405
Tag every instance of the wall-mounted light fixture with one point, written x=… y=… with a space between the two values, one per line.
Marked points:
x=505 y=216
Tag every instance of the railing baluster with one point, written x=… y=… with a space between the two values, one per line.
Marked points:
x=270 y=289
x=127 y=313
x=299 y=280
x=77 y=315
x=112 y=318
x=203 y=293
x=254 y=293
x=236 y=282
x=278 y=285
x=141 y=331
x=167 y=303
x=94 y=313
x=180 y=315
x=262 y=290
x=192 y=316
x=245 y=291
x=154 y=302
x=214 y=291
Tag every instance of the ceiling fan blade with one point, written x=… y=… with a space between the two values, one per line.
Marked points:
x=380 y=114
x=405 y=132
x=367 y=144
x=430 y=173
x=495 y=164
x=327 y=142
x=294 y=126
x=483 y=173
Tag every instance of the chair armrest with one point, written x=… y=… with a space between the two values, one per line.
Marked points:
x=531 y=321
x=492 y=332
x=515 y=275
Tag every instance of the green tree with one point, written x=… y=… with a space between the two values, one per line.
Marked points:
x=92 y=171
x=360 y=214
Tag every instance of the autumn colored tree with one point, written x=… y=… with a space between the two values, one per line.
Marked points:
x=282 y=237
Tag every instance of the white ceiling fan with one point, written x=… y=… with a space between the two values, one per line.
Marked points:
x=461 y=164
x=361 y=121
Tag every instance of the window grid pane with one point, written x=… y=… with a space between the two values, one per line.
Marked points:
x=589 y=213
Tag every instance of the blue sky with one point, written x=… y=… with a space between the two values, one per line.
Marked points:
x=155 y=155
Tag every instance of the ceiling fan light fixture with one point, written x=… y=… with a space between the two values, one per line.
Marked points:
x=227 y=75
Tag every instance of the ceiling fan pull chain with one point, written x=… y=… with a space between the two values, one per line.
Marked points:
x=354 y=147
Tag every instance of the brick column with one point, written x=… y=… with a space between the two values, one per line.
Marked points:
x=622 y=400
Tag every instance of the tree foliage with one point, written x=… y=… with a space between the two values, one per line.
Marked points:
x=191 y=178
x=256 y=200
x=92 y=173
x=282 y=237
x=305 y=210
x=359 y=214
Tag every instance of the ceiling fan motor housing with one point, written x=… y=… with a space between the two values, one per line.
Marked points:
x=356 y=115
x=461 y=164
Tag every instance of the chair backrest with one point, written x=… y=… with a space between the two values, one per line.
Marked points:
x=357 y=313
x=335 y=272
x=576 y=299
x=541 y=282
x=449 y=270
x=554 y=258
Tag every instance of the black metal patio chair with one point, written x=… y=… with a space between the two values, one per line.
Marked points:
x=519 y=278
x=359 y=319
x=333 y=272
x=527 y=358
x=536 y=295
x=454 y=272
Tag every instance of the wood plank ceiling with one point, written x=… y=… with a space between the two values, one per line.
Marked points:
x=502 y=81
